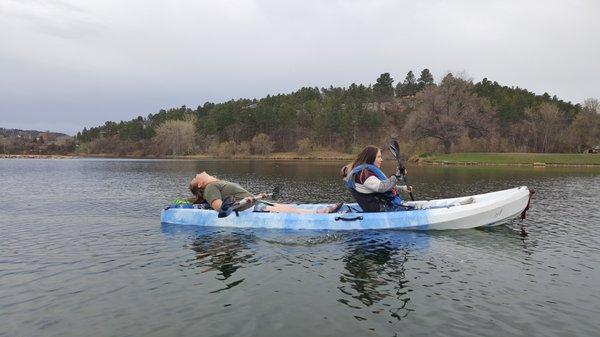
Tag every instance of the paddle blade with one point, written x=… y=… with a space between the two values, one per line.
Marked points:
x=223 y=214
x=395 y=148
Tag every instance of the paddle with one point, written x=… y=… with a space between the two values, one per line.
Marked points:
x=395 y=149
x=229 y=205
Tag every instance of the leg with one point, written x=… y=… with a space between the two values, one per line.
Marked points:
x=283 y=208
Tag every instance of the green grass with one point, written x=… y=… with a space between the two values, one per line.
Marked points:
x=516 y=158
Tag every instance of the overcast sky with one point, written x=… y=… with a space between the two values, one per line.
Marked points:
x=68 y=64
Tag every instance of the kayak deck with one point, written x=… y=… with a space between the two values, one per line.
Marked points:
x=487 y=209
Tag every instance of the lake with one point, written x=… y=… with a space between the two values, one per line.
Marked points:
x=83 y=253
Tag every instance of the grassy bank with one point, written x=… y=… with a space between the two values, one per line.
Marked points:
x=514 y=159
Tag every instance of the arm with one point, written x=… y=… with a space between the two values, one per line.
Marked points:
x=374 y=184
x=212 y=195
x=216 y=204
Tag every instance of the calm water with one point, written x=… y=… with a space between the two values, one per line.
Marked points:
x=83 y=253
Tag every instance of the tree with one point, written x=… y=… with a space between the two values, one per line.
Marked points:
x=384 y=88
x=305 y=146
x=409 y=87
x=262 y=144
x=584 y=132
x=449 y=111
x=591 y=105
x=425 y=79
x=176 y=136
x=544 y=125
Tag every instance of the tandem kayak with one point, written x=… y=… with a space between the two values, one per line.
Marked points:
x=487 y=209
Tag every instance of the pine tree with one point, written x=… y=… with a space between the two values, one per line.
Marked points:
x=384 y=89
x=409 y=87
x=425 y=79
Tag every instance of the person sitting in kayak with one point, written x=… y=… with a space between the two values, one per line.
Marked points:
x=374 y=192
x=209 y=189
x=369 y=186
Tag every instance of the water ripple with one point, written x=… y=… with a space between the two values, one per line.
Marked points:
x=85 y=256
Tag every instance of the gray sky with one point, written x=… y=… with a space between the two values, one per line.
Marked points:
x=68 y=64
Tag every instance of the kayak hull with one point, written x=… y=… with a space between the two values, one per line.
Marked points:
x=488 y=209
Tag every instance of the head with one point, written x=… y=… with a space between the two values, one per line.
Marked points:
x=202 y=179
x=198 y=184
x=369 y=155
x=198 y=197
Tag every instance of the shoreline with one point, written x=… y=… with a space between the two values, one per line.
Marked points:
x=290 y=156
x=514 y=159
x=537 y=165
x=39 y=156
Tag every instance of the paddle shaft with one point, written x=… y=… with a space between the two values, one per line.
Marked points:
x=248 y=201
x=395 y=149
x=400 y=166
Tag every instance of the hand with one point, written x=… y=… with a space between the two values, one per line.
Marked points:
x=263 y=195
x=407 y=189
x=401 y=171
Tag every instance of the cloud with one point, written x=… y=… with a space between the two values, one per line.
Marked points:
x=86 y=62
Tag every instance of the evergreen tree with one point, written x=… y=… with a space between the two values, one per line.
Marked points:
x=384 y=89
x=425 y=79
x=409 y=87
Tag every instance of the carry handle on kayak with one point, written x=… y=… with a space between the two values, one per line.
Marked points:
x=338 y=218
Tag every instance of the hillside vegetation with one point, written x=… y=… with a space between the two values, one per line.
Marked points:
x=455 y=115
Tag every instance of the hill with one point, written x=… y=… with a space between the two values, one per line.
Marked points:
x=31 y=134
x=33 y=142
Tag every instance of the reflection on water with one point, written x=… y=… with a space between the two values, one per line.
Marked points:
x=86 y=256
x=374 y=271
x=222 y=252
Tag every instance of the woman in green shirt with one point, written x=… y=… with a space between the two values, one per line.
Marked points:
x=213 y=191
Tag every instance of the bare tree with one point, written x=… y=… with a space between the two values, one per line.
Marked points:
x=584 y=132
x=592 y=105
x=449 y=111
x=262 y=144
x=176 y=136
x=545 y=126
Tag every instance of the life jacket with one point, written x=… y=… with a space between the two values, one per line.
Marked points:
x=372 y=202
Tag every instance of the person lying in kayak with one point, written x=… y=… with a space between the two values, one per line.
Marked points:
x=374 y=192
x=213 y=191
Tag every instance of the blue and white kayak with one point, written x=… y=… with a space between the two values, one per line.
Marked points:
x=487 y=209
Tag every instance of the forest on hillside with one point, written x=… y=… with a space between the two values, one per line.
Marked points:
x=454 y=115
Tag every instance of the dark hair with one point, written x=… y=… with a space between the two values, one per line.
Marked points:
x=366 y=156
x=198 y=194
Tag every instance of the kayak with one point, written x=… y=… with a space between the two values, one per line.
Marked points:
x=487 y=209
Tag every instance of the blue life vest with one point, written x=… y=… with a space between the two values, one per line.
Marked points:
x=390 y=197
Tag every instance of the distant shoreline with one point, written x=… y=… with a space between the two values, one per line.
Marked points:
x=458 y=159
x=38 y=156
x=514 y=159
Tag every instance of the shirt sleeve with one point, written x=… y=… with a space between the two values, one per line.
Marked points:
x=374 y=184
x=211 y=193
